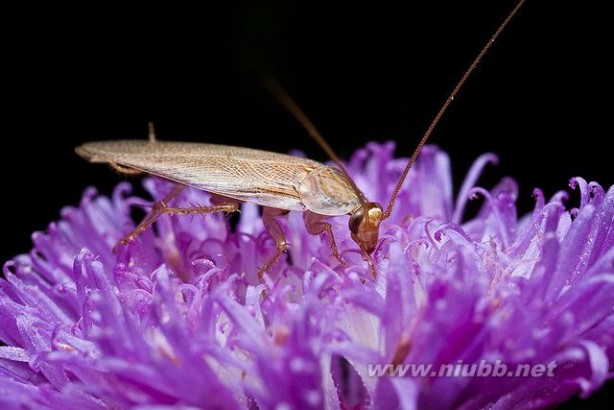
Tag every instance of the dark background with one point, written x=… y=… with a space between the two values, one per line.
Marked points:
x=102 y=70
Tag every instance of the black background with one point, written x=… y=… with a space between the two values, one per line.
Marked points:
x=102 y=70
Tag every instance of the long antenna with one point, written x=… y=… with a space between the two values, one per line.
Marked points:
x=289 y=104
x=446 y=104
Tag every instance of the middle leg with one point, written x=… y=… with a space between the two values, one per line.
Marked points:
x=269 y=218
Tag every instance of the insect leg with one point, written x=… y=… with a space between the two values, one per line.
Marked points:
x=150 y=218
x=273 y=227
x=125 y=170
x=315 y=225
x=218 y=205
x=229 y=206
x=367 y=257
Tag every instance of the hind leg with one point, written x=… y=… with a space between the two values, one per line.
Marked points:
x=219 y=204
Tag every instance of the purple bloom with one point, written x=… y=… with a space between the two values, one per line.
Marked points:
x=179 y=317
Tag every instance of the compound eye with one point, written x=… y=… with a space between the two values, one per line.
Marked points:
x=356 y=219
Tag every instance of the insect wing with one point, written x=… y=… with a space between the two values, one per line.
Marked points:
x=265 y=178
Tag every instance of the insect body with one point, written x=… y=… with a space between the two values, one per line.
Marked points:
x=280 y=183
x=275 y=181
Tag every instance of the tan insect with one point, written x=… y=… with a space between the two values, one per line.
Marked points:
x=280 y=183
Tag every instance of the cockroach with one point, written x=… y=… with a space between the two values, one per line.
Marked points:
x=280 y=183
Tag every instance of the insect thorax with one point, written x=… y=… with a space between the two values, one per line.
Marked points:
x=326 y=191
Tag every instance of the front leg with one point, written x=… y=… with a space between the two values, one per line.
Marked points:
x=316 y=225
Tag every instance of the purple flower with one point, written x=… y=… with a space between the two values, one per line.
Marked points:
x=179 y=317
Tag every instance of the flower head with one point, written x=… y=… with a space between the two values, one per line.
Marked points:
x=180 y=317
